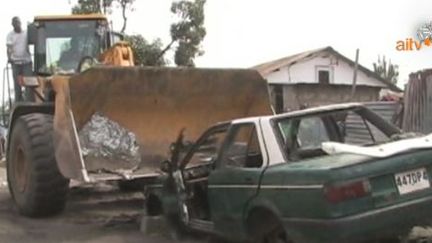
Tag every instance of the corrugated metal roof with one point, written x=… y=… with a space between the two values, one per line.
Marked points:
x=356 y=130
x=386 y=109
x=268 y=67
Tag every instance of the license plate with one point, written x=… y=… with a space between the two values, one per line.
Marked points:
x=411 y=181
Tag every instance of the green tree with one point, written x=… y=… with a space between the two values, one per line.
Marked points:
x=146 y=53
x=124 y=6
x=188 y=32
x=92 y=6
x=387 y=71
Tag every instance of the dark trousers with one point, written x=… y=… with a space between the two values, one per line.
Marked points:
x=24 y=69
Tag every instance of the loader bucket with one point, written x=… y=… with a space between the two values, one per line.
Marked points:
x=154 y=104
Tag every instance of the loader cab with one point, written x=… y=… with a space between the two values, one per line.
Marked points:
x=59 y=43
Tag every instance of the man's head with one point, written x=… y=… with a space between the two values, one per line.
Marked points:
x=16 y=23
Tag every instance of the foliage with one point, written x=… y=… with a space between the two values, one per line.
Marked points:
x=189 y=31
x=146 y=53
x=104 y=7
x=387 y=71
x=124 y=6
x=92 y=6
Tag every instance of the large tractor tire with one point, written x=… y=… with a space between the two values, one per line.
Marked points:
x=35 y=182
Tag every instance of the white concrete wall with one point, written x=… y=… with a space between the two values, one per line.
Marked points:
x=279 y=77
x=344 y=75
x=305 y=72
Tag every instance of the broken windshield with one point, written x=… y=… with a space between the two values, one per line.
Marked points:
x=356 y=126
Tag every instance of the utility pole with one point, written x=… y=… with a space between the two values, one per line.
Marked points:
x=354 y=83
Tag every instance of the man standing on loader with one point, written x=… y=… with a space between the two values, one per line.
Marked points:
x=19 y=57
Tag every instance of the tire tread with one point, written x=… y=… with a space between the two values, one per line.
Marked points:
x=47 y=193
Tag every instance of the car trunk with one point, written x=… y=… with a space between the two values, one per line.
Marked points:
x=357 y=183
x=387 y=181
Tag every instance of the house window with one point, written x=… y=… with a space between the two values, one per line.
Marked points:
x=323 y=75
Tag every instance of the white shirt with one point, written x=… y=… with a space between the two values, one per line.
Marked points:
x=18 y=43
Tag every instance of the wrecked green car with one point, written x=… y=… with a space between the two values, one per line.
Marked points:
x=335 y=173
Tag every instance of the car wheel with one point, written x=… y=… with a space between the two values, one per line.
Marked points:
x=35 y=182
x=276 y=235
x=264 y=227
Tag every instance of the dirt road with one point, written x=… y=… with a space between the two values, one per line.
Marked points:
x=96 y=214
x=100 y=214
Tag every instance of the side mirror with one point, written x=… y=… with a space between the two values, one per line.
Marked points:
x=166 y=166
x=32 y=34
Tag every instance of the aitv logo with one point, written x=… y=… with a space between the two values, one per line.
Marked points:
x=424 y=34
x=412 y=45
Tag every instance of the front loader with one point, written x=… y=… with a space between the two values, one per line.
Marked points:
x=148 y=106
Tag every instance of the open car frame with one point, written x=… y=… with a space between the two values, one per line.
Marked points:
x=335 y=173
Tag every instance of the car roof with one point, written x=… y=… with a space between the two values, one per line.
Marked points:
x=320 y=109
x=304 y=112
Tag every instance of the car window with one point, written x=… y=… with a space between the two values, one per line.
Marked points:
x=304 y=133
x=207 y=151
x=378 y=135
x=301 y=137
x=311 y=133
x=243 y=149
x=254 y=157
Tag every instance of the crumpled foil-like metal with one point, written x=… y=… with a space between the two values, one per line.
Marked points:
x=103 y=138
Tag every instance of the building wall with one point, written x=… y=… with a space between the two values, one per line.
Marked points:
x=306 y=72
x=315 y=94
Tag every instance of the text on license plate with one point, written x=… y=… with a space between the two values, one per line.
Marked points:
x=411 y=181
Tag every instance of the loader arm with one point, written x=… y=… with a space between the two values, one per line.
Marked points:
x=120 y=54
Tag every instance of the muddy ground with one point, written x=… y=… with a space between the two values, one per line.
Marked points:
x=93 y=214
x=98 y=214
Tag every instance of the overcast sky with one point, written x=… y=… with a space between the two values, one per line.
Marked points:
x=244 y=33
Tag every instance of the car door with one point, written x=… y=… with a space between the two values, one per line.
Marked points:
x=235 y=180
x=202 y=154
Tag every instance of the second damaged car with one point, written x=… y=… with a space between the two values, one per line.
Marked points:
x=330 y=174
